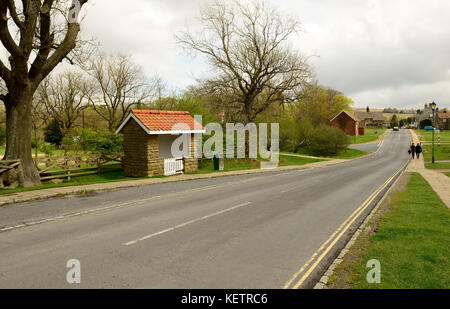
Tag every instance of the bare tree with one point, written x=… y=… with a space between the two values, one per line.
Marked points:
x=37 y=35
x=63 y=98
x=118 y=86
x=247 y=45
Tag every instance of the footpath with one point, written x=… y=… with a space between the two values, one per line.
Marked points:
x=437 y=180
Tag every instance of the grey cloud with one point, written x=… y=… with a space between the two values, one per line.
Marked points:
x=386 y=53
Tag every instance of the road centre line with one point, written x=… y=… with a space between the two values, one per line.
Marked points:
x=186 y=223
x=354 y=215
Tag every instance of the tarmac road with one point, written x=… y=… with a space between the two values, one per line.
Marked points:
x=252 y=231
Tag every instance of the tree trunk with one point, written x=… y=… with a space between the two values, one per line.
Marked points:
x=18 y=136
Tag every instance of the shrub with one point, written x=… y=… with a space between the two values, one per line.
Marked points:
x=46 y=148
x=325 y=140
x=425 y=123
x=53 y=134
x=98 y=142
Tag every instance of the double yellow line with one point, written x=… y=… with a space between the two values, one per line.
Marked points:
x=333 y=239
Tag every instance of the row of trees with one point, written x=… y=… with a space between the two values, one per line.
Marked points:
x=256 y=76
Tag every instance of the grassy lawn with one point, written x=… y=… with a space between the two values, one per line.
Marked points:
x=288 y=160
x=411 y=242
x=441 y=152
x=345 y=154
x=438 y=166
x=76 y=181
x=207 y=166
x=370 y=136
x=447 y=174
x=427 y=136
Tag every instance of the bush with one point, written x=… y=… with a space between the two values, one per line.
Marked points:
x=46 y=148
x=425 y=123
x=98 y=142
x=294 y=134
x=53 y=134
x=325 y=140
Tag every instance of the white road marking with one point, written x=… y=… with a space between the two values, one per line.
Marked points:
x=185 y=224
x=379 y=146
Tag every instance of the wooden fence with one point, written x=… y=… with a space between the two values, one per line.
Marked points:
x=77 y=165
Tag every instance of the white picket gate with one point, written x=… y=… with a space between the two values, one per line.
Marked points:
x=173 y=166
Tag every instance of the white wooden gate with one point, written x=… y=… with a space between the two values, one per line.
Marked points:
x=173 y=166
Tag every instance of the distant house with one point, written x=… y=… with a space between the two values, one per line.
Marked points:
x=346 y=122
x=443 y=120
x=148 y=139
x=370 y=119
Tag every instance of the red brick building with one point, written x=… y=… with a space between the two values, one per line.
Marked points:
x=346 y=122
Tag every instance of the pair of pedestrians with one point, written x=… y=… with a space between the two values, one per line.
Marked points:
x=415 y=150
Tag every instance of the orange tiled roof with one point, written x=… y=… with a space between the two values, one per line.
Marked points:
x=156 y=120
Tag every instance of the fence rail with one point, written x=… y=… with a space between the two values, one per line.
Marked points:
x=51 y=168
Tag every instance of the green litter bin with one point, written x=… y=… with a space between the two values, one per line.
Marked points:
x=216 y=163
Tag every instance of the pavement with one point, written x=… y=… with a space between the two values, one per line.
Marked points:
x=438 y=181
x=272 y=229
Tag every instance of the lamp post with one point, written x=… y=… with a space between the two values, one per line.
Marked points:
x=433 y=108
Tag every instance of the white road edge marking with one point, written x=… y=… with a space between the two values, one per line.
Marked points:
x=185 y=224
x=379 y=146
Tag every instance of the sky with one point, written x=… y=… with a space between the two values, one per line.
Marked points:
x=381 y=53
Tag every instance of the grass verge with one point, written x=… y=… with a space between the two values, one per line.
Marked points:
x=370 y=135
x=438 y=166
x=76 y=181
x=427 y=136
x=441 y=152
x=344 y=154
x=207 y=166
x=410 y=238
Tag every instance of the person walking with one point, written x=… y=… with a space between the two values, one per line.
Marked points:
x=412 y=150
x=418 y=150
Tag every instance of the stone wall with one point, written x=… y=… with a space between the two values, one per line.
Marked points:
x=155 y=163
x=135 y=160
x=191 y=164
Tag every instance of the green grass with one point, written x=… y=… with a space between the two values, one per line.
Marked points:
x=207 y=166
x=447 y=174
x=441 y=152
x=427 y=136
x=369 y=136
x=411 y=243
x=288 y=160
x=438 y=166
x=76 y=181
x=344 y=154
